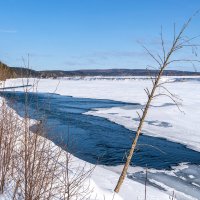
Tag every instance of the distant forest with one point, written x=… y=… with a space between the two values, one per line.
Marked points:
x=17 y=72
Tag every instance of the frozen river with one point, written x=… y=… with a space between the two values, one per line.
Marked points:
x=95 y=139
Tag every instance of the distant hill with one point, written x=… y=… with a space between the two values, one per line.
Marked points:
x=24 y=72
x=102 y=72
x=115 y=72
x=15 y=72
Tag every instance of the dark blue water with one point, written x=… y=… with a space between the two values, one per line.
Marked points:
x=96 y=139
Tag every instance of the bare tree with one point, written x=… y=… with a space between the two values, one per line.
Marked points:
x=180 y=42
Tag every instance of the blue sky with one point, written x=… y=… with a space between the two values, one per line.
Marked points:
x=88 y=34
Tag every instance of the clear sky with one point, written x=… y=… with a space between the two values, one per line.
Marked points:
x=88 y=34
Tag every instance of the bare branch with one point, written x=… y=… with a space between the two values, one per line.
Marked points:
x=163 y=45
x=183 y=60
x=154 y=58
x=177 y=104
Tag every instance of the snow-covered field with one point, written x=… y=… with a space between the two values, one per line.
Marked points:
x=164 y=120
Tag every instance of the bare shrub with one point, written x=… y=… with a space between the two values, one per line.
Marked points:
x=32 y=166
x=5 y=72
x=45 y=171
x=36 y=166
x=75 y=179
x=8 y=128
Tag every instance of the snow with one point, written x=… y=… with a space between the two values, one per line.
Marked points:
x=107 y=179
x=177 y=180
x=164 y=120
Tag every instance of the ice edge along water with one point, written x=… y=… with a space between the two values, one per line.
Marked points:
x=164 y=119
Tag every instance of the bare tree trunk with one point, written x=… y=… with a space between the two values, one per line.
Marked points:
x=179 y=42
x=124 y=171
